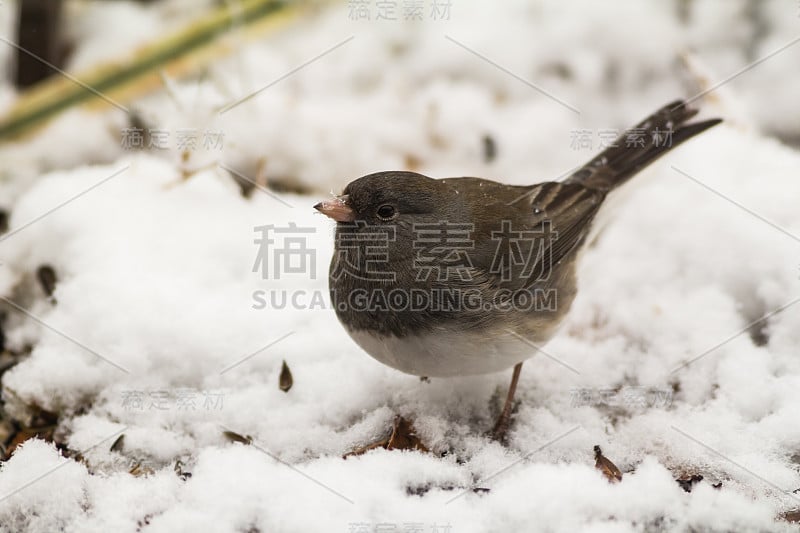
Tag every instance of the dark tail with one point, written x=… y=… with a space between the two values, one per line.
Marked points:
x=641 y=145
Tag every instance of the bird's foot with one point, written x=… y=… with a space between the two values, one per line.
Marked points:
x=504 y=420
x=500 y=430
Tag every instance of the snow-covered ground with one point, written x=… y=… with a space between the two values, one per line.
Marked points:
x=157 y=330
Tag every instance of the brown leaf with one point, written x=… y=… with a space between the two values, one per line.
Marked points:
x=792 y=516
x=119 y=443
x=608 y=468
x=286 y=381
x=687 y=483
x=180 y=472
x=403 y=437
x=47 y=279
x=7 y=430
x=43 y=432
x=235 y=437
x=364 y=449
x=140 y=470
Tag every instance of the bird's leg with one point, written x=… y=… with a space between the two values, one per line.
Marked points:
x=500 y=428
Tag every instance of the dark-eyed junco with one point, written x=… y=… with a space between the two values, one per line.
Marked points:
x=459 y=276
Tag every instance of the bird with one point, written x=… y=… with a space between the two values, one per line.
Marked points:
x=465 y=276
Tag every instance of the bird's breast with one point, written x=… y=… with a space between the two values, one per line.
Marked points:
x=447 y=353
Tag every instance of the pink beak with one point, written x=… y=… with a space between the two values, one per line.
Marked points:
x=337 y=209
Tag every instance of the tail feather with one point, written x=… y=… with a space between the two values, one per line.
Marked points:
x=641 y=145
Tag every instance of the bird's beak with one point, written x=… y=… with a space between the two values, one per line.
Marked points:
x=337 y=209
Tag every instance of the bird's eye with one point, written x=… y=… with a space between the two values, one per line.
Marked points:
x=386 y=212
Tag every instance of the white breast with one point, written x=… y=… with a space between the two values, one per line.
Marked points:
x=445 y=353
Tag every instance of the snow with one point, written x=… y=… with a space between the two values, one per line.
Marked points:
x=155 y=332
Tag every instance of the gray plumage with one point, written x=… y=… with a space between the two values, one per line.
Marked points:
x=376 y=254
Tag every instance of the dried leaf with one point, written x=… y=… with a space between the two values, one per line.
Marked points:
x=140 y=470
x=688 y=483
x=118 y=444
x=364 y=449
x=608 y=468
x=403 y=437
x=42 y=432
x=47 y=279
x=7 y=428
x=792 y=516
x=180 y=472
x=286 y=381
x=235 y=437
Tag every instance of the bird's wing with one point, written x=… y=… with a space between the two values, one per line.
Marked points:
x=569 y=208
x=541 y=229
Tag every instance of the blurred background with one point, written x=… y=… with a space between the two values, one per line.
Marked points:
x=304 y=96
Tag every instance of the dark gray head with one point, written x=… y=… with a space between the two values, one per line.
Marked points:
x=390 y=197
